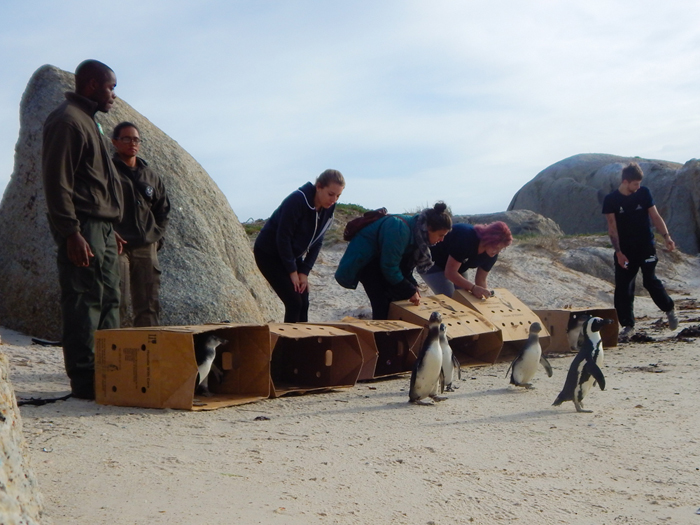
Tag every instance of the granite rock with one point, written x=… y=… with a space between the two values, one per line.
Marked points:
x=209 y=274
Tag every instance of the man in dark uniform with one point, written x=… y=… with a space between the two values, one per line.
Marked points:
x=146 y=208
x=83 y=196
x=630 y=210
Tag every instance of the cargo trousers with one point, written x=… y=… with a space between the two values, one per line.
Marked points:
x=625 y=284
x=140 y=279
x=89 y=302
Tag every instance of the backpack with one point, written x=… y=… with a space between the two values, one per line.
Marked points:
x=355 y=225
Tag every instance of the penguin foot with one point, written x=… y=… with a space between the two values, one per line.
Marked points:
x=528 y=386
x=449 y=388
x=438 y=398
x=420 y=402
x=582 y=411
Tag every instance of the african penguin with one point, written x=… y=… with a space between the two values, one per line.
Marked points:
x=585 y=370
x=573 y=329
x=525 y=364
x=427 y=377
x=450 y=364
x=205 y=346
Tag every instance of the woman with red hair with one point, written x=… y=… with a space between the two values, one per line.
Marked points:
x=465 y=247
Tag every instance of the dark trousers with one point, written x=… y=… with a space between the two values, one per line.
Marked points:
x=379 y=291
x=89 y=301
x=296 y=305
x=140 y=280
x=624 y=287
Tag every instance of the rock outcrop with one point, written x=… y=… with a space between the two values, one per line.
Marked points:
x=520 y=222
x=21 y=503
x=571 y=192
x=209 y=273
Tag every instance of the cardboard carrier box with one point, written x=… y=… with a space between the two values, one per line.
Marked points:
x=156 y=367
x=388 y=347
x=557 y=322
x=308 y=357
x=473 y=338
x=508 y=313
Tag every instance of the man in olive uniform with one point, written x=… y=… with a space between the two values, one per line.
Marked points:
x=146 y=208
x=84 y=200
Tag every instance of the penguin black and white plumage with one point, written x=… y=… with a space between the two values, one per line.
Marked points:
x=204 y=352
x=427 y=377
x=573 y=329
x=451 y=370
x=585 y=370
x=525 y=365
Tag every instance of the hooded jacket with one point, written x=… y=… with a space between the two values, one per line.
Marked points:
x=78 y=174
x=146 y=204
x=295 y=231
x=391 y=240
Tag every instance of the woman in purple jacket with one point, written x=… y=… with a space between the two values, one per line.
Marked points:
x=287 y=247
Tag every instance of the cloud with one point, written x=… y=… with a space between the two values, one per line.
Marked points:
x=412 y=101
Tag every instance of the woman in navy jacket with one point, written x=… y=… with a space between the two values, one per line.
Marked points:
x=287 y=247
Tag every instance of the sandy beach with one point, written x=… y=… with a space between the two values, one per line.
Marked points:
x=491 y=453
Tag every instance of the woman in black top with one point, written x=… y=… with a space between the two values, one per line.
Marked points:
x=287 y=247
x=465 y=247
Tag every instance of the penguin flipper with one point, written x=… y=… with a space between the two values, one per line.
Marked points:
x=457 y=366
x=512 y=364
x=597 y=373
x=546 y=365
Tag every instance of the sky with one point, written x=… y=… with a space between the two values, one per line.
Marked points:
x=413 y=101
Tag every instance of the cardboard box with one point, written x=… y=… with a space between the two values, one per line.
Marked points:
x=308 y=357
x=156 y=367
x=473 y=338
x=508 y=313
x=388 y=347
x=557 y=321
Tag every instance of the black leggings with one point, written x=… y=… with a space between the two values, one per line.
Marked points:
x=296 y=305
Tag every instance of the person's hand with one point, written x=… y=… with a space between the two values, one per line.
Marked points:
x=415 y=298
x=294 y=276
x=79 y=251
x=120 y=243
x=622 y=260
x=480 y=292
x=303 y=282
x=670 y=245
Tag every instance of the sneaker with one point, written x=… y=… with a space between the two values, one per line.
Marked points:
x=626 y=333
x=672 y=320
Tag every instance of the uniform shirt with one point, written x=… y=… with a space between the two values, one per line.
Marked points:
x=462 y=243
x=632 y=219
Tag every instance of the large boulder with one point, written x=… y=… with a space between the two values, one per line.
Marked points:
x=209 y=273
x=21 y=502
x=520 y=222
x=571 y=192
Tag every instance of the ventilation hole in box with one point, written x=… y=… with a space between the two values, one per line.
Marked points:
x=296 y=371
x=114 y=389
x=143 y=347
x=318 y=374
x=143 y=389
x=114 y=347
x=329 y=358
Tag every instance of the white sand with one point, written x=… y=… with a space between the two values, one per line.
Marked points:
x=491 y=453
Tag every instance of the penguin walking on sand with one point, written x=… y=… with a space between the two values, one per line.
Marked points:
x=585 y=370
x=427 y=377
x=204 y=352
x=451 y=370
x=530 y=357
x=573 y=329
